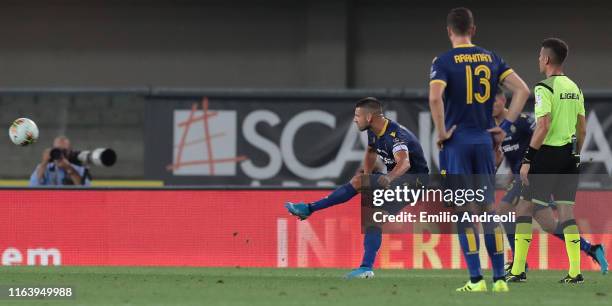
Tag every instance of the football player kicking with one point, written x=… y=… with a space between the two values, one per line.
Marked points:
x=402 y=155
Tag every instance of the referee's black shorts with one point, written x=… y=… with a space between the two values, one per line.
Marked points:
x=553 y=172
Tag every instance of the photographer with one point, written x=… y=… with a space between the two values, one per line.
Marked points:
x=56 y=170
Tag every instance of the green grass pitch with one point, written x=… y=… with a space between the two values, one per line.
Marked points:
x=251 y=286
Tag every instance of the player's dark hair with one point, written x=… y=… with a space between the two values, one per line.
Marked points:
x=460 y=20
x=558 y=49
x=371 y=104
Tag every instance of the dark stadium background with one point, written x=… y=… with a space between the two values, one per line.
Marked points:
x=281 y=78
x=137 y=46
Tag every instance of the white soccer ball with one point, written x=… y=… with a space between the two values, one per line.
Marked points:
x=23 y=132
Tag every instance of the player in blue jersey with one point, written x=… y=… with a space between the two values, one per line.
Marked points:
x=513 y=149
x=462 y=89
x=402 y=155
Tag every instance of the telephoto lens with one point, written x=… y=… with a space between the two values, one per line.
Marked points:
x=100 y=157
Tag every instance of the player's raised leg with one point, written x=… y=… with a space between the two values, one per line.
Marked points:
x=342 y=194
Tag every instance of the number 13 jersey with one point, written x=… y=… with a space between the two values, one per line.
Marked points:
x=471 y=76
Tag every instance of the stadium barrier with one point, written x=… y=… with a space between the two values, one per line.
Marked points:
x=300 y=137
x=221 y=228
x=252 y=137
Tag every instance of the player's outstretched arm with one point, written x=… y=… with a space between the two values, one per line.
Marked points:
x=520 y=94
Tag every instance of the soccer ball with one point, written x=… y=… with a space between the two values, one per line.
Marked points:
x=23 y=132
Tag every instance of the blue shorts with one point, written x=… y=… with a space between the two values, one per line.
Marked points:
x=469 y=166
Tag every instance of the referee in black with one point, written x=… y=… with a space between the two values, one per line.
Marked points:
x=550 y=166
